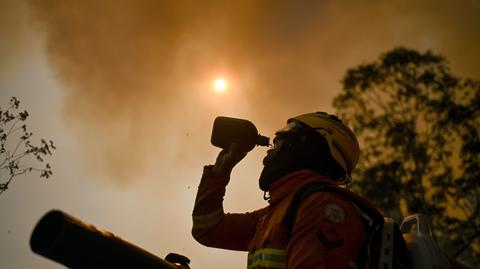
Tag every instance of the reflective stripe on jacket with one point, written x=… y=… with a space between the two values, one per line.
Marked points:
x=268 y=257
x=328 y=232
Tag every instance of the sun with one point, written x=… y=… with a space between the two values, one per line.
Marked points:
x=220 y=85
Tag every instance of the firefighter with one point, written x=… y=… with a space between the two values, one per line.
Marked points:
x=328 y=232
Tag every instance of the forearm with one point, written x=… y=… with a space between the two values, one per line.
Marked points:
x=208 y=209
x=211 y=226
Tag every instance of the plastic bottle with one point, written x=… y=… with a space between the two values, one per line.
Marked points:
x=228 y=130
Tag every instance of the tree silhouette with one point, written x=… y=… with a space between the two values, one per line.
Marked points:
x=16 y=146
x=418 y=126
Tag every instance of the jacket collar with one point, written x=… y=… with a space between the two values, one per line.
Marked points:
x=290 y=183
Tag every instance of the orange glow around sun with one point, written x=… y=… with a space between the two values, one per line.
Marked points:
x=220 y=85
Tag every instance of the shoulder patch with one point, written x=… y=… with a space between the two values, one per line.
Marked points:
x=334 y=213
x=330 y=239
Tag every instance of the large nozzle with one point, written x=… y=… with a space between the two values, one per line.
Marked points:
x=75 y=244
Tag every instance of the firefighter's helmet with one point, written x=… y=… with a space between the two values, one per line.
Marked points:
x=341 y=140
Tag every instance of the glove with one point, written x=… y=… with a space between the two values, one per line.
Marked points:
x=180 y=261
x=228 y=158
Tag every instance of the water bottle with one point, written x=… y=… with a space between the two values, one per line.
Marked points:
x=228 y=130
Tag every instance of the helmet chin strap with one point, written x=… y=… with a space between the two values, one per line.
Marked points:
x=266 y=196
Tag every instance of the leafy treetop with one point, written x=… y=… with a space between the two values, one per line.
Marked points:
x=418 y=126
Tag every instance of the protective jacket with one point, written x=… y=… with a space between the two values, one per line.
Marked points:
x=328 y=232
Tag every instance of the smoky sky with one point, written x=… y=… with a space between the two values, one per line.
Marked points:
x=136 y=74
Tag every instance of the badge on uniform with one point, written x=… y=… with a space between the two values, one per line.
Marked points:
x=328 y=234
x=334 y=213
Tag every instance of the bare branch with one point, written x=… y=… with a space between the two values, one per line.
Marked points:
x=11 y=163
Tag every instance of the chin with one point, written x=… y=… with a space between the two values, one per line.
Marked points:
x=265 y=160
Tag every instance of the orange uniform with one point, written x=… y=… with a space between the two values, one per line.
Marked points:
x=328 y=232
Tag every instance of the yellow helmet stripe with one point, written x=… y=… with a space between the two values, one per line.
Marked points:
x=348 y=161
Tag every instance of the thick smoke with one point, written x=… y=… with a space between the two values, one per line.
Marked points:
x=137 y=73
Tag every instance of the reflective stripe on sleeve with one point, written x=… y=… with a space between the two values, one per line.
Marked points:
x=208 y=220
x=268 y=257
